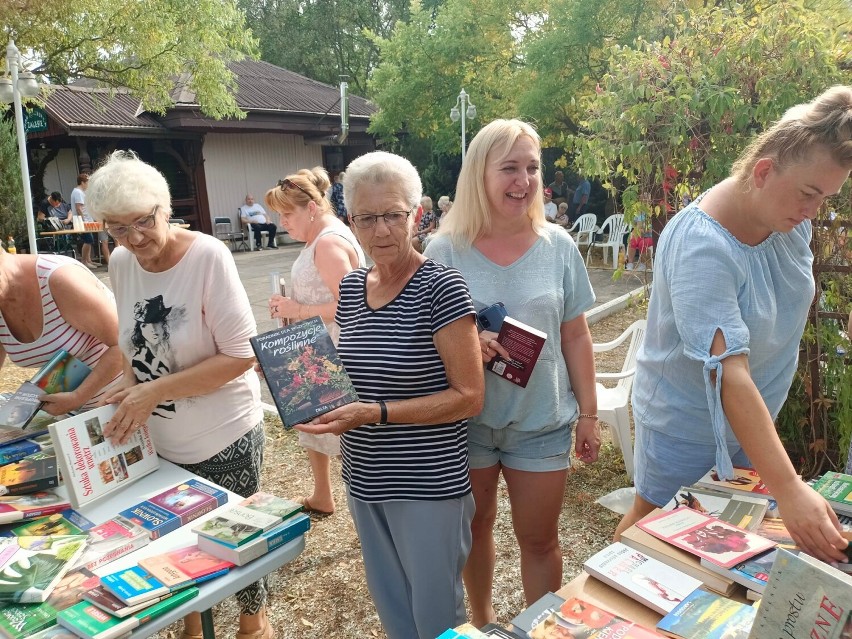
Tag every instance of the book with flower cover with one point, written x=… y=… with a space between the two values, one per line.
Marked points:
x=524 y=344
x=579 y=618
x=303 y=371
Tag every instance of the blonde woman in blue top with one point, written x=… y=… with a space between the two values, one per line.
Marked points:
x=732 y=287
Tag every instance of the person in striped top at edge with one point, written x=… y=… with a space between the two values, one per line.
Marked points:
x=53 y=302
x=408 y=341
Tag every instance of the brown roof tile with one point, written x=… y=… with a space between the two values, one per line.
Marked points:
x=87 y=107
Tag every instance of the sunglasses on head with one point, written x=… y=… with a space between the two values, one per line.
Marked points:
x=287 y=183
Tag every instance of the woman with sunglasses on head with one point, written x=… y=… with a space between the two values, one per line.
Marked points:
x=184 y=323
x=408 y=341
x=330 y=252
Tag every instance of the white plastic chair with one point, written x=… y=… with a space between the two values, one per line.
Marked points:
x=613 y=402
x=614 y=228
x=584 y=229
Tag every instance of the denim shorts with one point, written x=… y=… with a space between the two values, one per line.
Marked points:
x=536 y=452
x=664 y=463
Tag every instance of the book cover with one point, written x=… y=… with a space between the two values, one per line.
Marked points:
x=704 y=536
x=67 y=522
x=677 y=558
x=21 y=407
x=92 y=466
x=775 y=530
x=464 y=631
x=643 y=578
x=236 y=525
x=704 y=615
x=109 y=603
x=746 y=480
x=61 y=374
x=753 y=573
x=10 y=453
x=89 y=621
x=112 y=539
x=524 y=344
x=578 y=618
x=836 y=489
x=493 y=630
x=176 y=566
x=804 y=599
x=272 y=505
x=17 y=507
x=30 y=567
x=175 y=507
x=303 y=372
x=282 y=534
x=135 y=584
x=34 y=473
x=530 y=617
x=740 y=510
x=20 y=621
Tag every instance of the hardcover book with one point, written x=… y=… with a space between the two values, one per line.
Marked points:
x=92 y=466
x=282 y=534
x=578 y=618
x=742 y=511
x=704 y=536
x=836 y=489
x=34 y=473
x=112 y=539
x=746 y=480
x=524 y=344
x=30 y=567
x=109 y=603
x=89 y=621
x=303 y=372
x=177 y=566
x=135 y=584
x=640 y=577
x=704 y=615
x=175 y=507
x=804 y=599
x=18 y=507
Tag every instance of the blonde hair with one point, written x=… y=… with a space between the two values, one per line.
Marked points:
x=824 y=122
x=125 y=184
x=311 y=186
x=471 y=217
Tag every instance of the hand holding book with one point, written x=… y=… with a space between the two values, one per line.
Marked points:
x=491 y=348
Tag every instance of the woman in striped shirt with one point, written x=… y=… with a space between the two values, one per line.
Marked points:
x=52 y=302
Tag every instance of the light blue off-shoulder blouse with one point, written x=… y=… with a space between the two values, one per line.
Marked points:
x=705 y=279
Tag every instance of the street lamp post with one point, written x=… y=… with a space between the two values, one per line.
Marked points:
x=463 y=107
x=12 y=90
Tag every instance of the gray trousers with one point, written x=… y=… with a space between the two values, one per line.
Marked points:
x=414 y=552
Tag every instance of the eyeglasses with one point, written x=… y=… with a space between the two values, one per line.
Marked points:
x=391 y=218
x=287 y=183
x=144 y=224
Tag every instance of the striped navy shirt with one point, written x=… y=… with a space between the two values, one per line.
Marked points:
x=390 y=354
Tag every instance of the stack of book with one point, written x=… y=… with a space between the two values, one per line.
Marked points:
x=248 y=530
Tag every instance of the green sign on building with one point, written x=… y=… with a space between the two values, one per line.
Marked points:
x=35 y=120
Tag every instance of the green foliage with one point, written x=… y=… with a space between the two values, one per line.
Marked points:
x=12 y=217
x=142 y=45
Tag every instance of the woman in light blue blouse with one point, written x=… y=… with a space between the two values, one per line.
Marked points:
x=732 y=287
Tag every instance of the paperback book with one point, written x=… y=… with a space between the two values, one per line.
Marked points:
x=18 y=410
x=650 y=582
x=10 y=453
x=704 y=615
x=135 y=584
x=92 y=466
x=742 y=511
x=745 y=480
x=529 y=618
x=578 y=618
x=524 y=344
x=753 y=573
x=88 y=621
x=177 y=566
x=704 y=536
x=303 y=371
x=282 y=534
x=67 y=522
x=112 y=539
x=175 y=507
x=17 y=507
x=34 y=473
x=836 y=489
x=255 y=515
x=109 y=603
x=31 y=567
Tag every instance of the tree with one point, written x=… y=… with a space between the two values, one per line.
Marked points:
x=142 y=45
x=12 y=217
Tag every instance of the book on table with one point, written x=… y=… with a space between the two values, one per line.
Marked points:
x=18 y=507
x=705 y=536
x=92 y=466
x=15 y=451
x=579 y=618
x=740 y=510
x=804 y=598
x=30 y=567
x=112 y=539
x=753 y=573
x=746 y=481
x=67 y=522
x=524 y=344
x=33 y=473
x=87 y=620
x=535 y=613
x=285 y=532
x=303 y=371
x=169 y=510
x=134 y=585
x=247 y=520
x=645 y=579
x=176 y=566
x=836 y=489
x=705 y=615
x=109 y=603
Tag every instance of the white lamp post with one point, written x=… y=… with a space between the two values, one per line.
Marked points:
x=463 y=107
x=11 y=90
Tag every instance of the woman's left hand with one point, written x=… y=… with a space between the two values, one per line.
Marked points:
x=135 y=405
x=587 y=439
x=283 y=307
x=60 y=403
x=342 y=419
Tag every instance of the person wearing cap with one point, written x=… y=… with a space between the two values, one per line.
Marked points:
x=550 y=209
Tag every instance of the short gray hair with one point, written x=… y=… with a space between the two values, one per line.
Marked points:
x=380 y=167
x=125 y=184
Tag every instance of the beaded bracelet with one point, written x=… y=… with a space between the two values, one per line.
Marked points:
x=585 y=416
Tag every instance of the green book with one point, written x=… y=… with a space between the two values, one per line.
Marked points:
x=89 y=621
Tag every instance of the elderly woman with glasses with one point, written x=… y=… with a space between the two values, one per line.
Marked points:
x=408 y=341
x=330 y=252
x=184 y=323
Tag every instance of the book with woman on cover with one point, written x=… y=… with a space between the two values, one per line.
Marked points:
x=303 y=371
x=92 y=466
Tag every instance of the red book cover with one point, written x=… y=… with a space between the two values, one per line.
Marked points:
x=524 y=344
x=578 y=618
x=704 y=536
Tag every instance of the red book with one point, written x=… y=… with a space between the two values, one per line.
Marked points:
x=524 y=344
x=578 y=618
x=177 y=566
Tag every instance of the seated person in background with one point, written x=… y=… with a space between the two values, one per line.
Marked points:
x=55 y=207
x=641 y=239
x=562 y=218
x=559 y=187
x=550 y=209
x=254 y=214
x=428 y=224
